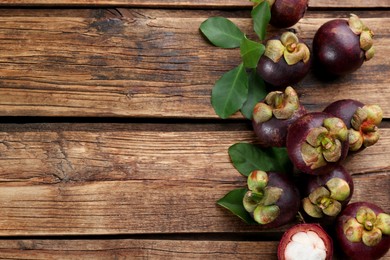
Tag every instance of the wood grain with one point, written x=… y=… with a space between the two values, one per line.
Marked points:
x=187 y=4
x=136 y=249
x=74 y=182
x=137 y=63
x=140 y=249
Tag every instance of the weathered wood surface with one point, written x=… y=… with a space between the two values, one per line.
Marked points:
x=63 y=180
x=150 y=187
x=136 y=249
x=222 y=4
x=139 y=249
x=142 y=63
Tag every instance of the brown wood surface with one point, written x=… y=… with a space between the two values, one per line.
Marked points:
x=139 y=249
x=222 y=4
x=139 y=63
x=69 y=181
x=136 y=249
x=104 y=150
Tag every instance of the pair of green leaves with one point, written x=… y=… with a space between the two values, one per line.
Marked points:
x=247 y=158
x=236 y=89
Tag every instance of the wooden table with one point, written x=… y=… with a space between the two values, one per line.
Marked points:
x=109 y=147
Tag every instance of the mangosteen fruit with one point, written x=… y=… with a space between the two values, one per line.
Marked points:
x=286 y=13
x=272 y=199
x=273 y=115
x=326 y=195
x=363 y=231
x=317 y=142
x=305 y=241
x=341 y=46
x=361 y=120
x=285 y=62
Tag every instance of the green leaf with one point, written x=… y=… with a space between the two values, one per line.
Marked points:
x=256 y=92
x=261 y=15
x=230 y=92
x=251 y=52
x=248 y=157
x=233 y=202
x=222 y=32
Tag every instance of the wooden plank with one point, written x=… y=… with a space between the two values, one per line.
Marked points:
x=73 y=182
x=140 y=249
x=139 y=63
x=188 y=4
x=137 y=249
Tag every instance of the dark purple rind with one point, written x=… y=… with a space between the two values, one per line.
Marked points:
x=274 y=131
x=296 y=136
x=344 y=109
x=359 y=251
x=287 y=237
x=281 y=74
x=312 y=182
x=288 y=203
x=286 y=13
x=336 y=48
x=320 y=180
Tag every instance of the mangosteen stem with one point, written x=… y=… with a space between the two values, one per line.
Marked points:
x=369 y=128
x=255 y=196
x=291 y=47
x=300 y=217
x=325 y=202
x=326 y=143
x=368 y=225
x=288 y=47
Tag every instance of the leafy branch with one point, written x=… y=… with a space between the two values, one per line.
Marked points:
x=238 y=89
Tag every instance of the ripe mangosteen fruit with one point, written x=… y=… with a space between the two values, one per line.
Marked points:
x=285 y=62
x=361 y=120
x=273 y=115
x=305 y=241
x=286 y=13
x=363 y=231
x=326 y=195
x=272 y=199
x=341 y=46
x=317 y=142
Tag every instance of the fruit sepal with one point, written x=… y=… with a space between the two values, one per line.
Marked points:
x=278 y=104
x=365 y=35
x=260 y=200
x=324 y=144
x=367 y=227
x=289 y=47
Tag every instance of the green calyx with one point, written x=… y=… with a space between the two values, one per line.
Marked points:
x=365 y=34
x=326 y=200
x=289 y=47
x=260 y=199
x=278 y=104
x=324 y=144
x=365 y=123
x=367 y=227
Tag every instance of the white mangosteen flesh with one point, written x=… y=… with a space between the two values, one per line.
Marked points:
x=305 y=246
